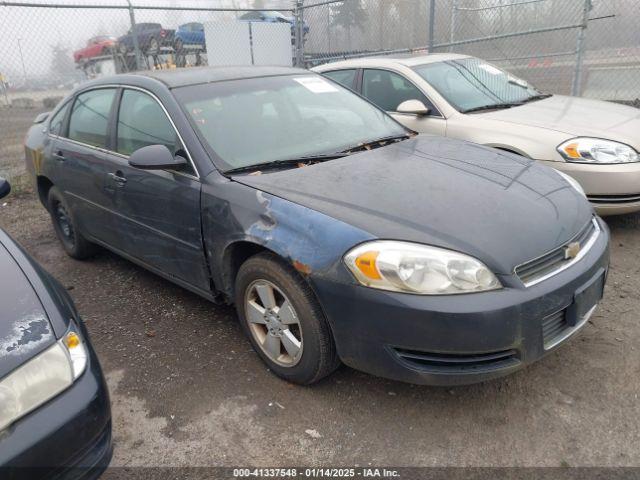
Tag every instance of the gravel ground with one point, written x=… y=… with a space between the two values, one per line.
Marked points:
x=187 y=390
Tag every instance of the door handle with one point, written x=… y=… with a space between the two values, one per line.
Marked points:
x=118 y=177
x=58 y=155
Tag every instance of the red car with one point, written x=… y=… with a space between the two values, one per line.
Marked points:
x=96 y=46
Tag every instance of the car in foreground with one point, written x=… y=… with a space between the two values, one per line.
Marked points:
x=96 y=47
x=55 y=418
x=152 y=37
x=338 y=234
x=463 y=97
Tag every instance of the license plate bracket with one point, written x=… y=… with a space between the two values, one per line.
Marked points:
x=586 y=297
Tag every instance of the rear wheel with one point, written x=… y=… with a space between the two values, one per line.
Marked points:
x=283 y=320
x=154 y=47
x=181 y=59
x=65 y=227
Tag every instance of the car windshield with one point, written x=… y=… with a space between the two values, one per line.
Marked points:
x=270 y=119
x=473 y=84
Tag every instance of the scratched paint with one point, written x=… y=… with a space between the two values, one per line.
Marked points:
x=26 y=335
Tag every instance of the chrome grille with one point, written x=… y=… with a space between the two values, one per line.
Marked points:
x=554 y=262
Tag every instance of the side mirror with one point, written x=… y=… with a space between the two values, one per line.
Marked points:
x=5 y=187
x=413 y=107
x=155 y=157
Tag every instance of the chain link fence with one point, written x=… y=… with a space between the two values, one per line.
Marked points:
x=579 y=47
x=582 y=47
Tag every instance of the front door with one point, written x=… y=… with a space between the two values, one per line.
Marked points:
x=158 y=211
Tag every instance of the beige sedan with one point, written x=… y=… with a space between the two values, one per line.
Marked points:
x=464 y=97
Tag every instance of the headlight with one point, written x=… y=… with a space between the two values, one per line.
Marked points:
x=573 y=182
x=41 y=378
x=421 y=269
x=595 y=150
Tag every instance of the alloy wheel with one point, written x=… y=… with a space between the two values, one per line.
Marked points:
x=64 y=222
x=154 y=48
x=274 y=323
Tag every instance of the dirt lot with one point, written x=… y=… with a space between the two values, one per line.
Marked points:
x=187 y=389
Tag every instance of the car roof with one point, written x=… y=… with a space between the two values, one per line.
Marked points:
x=410 y=60
x=175 y=78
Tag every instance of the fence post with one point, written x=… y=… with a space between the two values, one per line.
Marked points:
x=432 y=19
x=136 y=45
x=576 y=87
x=454 y=11
x=299 y=33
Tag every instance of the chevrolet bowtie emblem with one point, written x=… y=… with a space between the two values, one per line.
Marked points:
x=572 y=250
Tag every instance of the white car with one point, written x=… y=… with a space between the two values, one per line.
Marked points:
x=464 y=97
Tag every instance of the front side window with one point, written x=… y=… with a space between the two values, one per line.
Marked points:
x=142 y=122
x=471 y=83
x=252 y=121
x=57 y=122
x=388 y=90
x=89 y=120
x=346 y=78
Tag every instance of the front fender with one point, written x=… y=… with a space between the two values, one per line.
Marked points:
x=312 y=242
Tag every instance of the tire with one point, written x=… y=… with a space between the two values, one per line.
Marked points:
x=74 y=244
x=317 y=356
x=122 y=48
x=181 y=59
x=179 y=46
x=154 y=47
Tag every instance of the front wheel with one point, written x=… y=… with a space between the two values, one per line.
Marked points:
x=283 y=320
x=74 y=244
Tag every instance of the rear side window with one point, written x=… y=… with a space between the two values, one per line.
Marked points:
x=142 y=122
x=89 y=120
x=57 y=122
x=388 y=90
x=346 y=78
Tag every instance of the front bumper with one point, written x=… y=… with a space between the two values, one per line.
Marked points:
x=455 y=339
x=612 y=189
x=69 y=437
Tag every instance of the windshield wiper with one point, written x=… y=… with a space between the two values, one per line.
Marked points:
x=379 y=142
x=286 y=162
x=495 y=106
x=540 y=96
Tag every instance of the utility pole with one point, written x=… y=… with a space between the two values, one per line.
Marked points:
x=24 y=70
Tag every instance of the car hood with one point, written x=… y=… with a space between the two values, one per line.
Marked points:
x=25 y=329
x=496 y=206
x=576 y=117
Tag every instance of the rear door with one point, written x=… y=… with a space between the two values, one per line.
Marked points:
x=389 y=89
x=157 y=211
x=79 y=153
